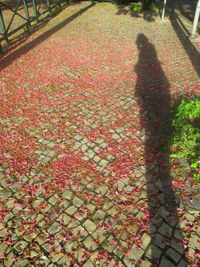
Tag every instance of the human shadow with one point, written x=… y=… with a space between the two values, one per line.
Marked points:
x=7 y=60
x=153 y=96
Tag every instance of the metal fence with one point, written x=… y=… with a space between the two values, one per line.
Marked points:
x=15 y=15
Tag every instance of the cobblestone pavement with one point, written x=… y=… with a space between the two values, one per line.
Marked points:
x=85 y=176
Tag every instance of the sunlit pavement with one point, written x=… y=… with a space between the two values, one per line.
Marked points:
x=85 y=176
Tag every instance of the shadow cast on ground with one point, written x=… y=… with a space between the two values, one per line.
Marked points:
x=7 y=60
x=190 y=49
x=186 y=7
x=127 y=9
x=152 y=93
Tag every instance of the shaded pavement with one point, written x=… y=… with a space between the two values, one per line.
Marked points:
x=185 y=7
x=85 y=176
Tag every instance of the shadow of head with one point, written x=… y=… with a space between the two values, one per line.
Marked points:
x=141 y=40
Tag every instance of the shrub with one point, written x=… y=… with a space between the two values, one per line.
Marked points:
x=139 y=5
x=185 y=141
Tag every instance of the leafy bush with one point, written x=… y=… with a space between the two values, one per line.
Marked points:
x=139 y=5
x=186 y=135
x=152 y=7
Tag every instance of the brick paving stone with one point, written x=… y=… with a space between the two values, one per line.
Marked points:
x=146 y=264
x=113 y=211
x=91 y=207
x=191 y=252
x=70 y=246
x=135 y=253
x=102 y=189
x=55 y=258
x=20 y=246
x=166 y=262
x=153 y=252
x=175 y=245
x=67 y=194
x=89 y=264
x=81 y=216
x=53 y=199
x=194 y=242
x=21 y=263
x=173 y=255
x=3 y=248
x=165 y=230
x=43 y=260
x=77 y=201
x=65 y=218
x=54 y=228
x=103 y=163
x=90 y=226
x=159 y=241
x=64 y=261
x=178 y=234
x=99 y=215
x=71 y=210
x=73 y=224
x=100 y=235
x=145 y=240
x=182 y=263
x=9 y=259
x=128 y=262
x=89 y=243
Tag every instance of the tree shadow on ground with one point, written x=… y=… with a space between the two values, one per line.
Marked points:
x=7 y=60
x=186 y=7
x=187 y=44
x=127 y=9
x=153 y=96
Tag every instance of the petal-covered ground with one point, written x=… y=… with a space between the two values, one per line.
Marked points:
x=85 y=176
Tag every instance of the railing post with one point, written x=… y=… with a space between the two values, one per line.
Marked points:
x=49 y=7
x=196 y=19
x=35 y=8
x=26 y=14
x=164 y=7
x=59 y=3
x=2 y=25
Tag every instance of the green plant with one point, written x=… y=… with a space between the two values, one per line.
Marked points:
x=4 y=42
x=153 y=7
x=137 y=6
x=54 y=10
x=185 y=141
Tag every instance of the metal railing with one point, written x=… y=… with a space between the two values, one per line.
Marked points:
x=26 y=11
